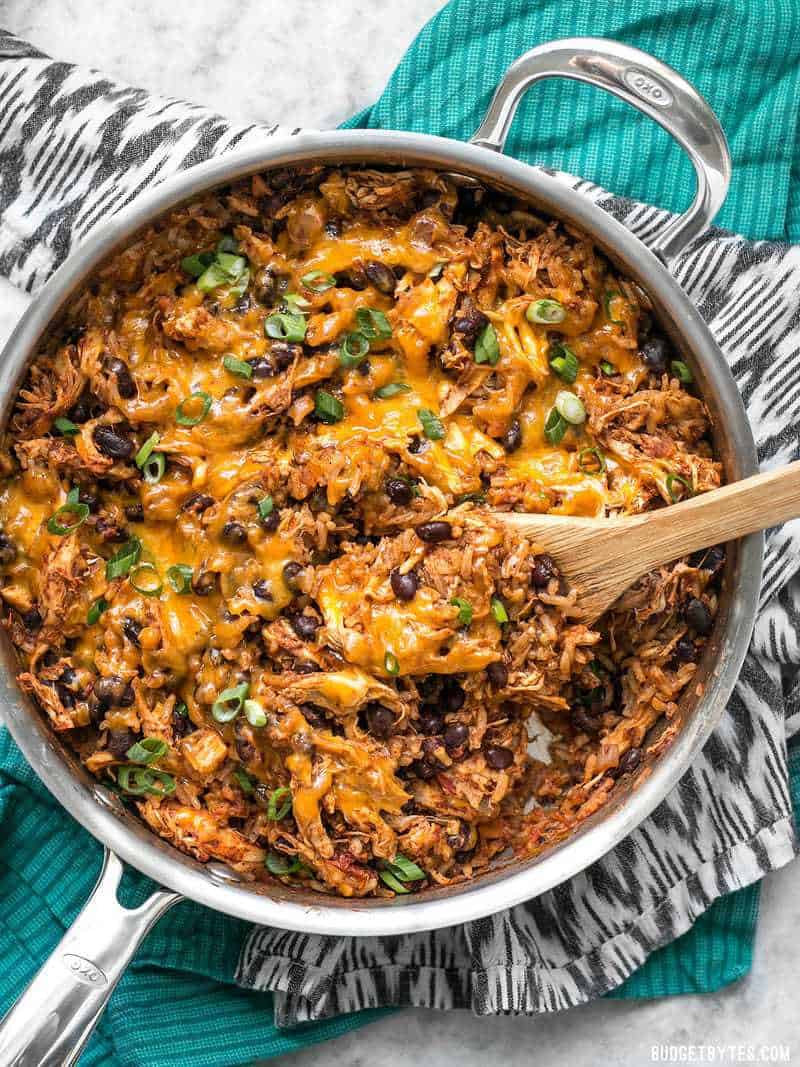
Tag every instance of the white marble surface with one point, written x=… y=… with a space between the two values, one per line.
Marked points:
x=312 y=63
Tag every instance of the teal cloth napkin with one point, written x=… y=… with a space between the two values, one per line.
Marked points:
x=178 y=1003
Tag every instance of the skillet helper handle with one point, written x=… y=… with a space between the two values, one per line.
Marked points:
x=648 y=85
x=55 y=1016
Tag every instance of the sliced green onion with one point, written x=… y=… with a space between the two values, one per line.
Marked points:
x=471 y=498
x=153 y=469
x=66 y=426
x=294 y=303
x=141 y=781
x=392 y=389
x=353 y=349
x=592 y=461
x=675 y=479
x=237 y=367
x=373 y=324
x=231 y=264
x=608 y=369
x=143 y=454
x=254 y=713
x=546 y=312
x=405 y=869
x=279 y=804
x=564 y=363
x=432 y=425
x=179 y=577
x=682 y=372
x=96 y=610
x=244 y=780
x=148 y=750
x=317 y=281
x=265 y=506
x=239 y=287
x=499 y=610
x=392 y=881
x=570 y=407
x=487 y=347
x=182 y=710
x=212 y=277
x=119 y=564
x=555 y=427
x=230 y=702
x=195 y=265
x=227 y=243
x=284 y=326
x=141 y=583
x=464 y=610
x=183 y=419
x=73 y=507
x=327 y=407
x=608 y=299
x=391 y=663
x=280 y=865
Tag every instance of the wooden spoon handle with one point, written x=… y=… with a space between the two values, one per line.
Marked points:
x=721 y=515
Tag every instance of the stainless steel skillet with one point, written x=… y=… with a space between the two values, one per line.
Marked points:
x=54 y=1017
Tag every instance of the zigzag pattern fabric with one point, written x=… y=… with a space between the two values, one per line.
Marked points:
x=76 y=147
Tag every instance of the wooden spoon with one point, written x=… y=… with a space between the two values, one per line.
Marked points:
x=602 y=557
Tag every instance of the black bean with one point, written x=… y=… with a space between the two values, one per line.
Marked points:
x=654 y=354
x=314 y=715
x=431 y=721
x=630 y=761
x=126 y=387
x=469 y=322
x=453 y=696
x=698 y=616
x=197 y=503
x=119 y=741
x=110 y=691
x=234 y=533
x=128 y=697
x=305 y=626
x=425 y=770
x=83 y=407
x=272 y=521
x=262 y=590
x=134 y=512
x=112 y=443
x=69 y=678
x=399 y=491
x=265 y=286
x=498 y=757
x=416 y=445
x=365 y=368
x=31 y=620
x=497 y=673
x=333 y=229
x=181 y=724
x=261 y=368
x=381 y=277
x=544 y=568
x=455 y=736
x=132 y=628
x=243 y=304
x=283 y=354
x=64 y=695
x=291 y=572
x=512 y=438
x=8 y=550
x=107 y=530
x=685 y=650
x=204 y=583
x=433 y=532
x=404 y=586
x=380 y=721
x=354 y=278
x=306 y=667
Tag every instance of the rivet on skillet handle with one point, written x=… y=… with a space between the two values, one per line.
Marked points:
x=53 y=1019
x=648 y=85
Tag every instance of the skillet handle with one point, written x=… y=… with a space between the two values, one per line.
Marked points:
x=53 y=1019
x=648 y=85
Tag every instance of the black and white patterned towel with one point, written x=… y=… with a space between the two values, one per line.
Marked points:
x=76 y=146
